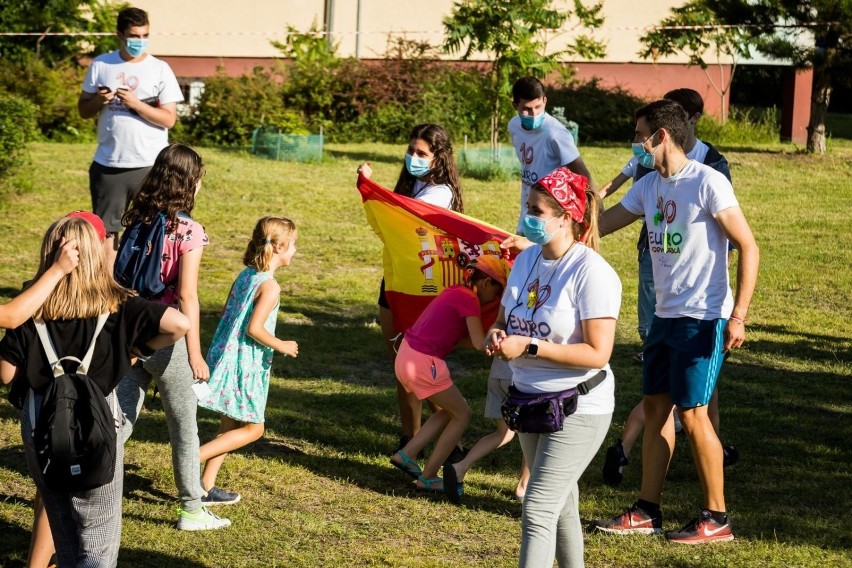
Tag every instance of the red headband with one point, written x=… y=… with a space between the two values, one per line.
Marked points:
x=568 y=189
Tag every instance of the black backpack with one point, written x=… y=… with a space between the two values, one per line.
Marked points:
x=75 y=434
x=139 y=263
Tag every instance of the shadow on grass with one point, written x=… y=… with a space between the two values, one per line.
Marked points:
x=12 y=458
x=792 y=428
x=16 y=542
x=810 y=346
x=144 y=558
x=758 y=149
x=141 y=488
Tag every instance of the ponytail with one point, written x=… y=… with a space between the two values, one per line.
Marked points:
x=588 y=232
x=268 y=233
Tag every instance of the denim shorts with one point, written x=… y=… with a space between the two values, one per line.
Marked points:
x=683 y=357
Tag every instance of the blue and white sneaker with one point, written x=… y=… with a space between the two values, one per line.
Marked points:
x=218 y=496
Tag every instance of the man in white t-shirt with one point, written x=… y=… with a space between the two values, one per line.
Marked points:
x=541 y=142
x=134 y=97
x=691 y=213
x=702 y=152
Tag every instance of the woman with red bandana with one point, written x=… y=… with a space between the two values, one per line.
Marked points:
x=557 y=328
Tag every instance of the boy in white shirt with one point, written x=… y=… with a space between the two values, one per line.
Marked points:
x=134 y=97
x=541 y=142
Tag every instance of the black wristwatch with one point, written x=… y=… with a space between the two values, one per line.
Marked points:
x=532 y=349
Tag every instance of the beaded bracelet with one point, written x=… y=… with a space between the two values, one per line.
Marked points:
x=736 y=319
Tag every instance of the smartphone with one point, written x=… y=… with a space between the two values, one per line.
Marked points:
x=103 y=89
x=202 y=389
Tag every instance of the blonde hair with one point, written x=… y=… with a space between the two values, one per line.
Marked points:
x=587 y=231
x=268 y=233
x=87 y=291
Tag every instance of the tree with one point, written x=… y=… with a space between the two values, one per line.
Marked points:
x=56 y=16
x=810 y=33
x=694 y=30
x=310 y=76
x=515 y=35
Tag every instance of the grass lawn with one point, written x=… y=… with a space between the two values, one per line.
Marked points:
x=318 y=489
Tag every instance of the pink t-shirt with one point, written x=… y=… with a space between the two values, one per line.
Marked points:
x=188 y=236
x=442 y=324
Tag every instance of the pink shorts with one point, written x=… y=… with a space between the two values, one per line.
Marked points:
x=424 y=375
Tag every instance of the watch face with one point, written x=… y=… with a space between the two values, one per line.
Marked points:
x=532 y=348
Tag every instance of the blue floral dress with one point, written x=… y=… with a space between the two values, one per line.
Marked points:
x=239 y=365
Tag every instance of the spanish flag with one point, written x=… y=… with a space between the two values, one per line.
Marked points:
x=427 y=248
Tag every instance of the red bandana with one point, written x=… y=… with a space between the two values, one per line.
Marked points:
x=569 y=189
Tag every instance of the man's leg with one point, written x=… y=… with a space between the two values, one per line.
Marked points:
x=646 y=299
x=111 y=190
x=657 y=446
x=707 y=453
x=644 y=516
x=697 y=358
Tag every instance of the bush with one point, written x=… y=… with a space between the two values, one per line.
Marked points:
x=232 y=107
x=602 y=114
x=54 y=91
x=17 y=129
x=457 y=98
x=744 y=126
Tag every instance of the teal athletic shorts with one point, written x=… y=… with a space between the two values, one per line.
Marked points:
x=683 y=357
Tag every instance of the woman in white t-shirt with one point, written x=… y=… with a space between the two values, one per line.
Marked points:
x=557 y=328
x=429 y=174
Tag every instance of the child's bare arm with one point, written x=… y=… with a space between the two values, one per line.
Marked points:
x=22 y=307
x=189 y=305
x=475 y=332
x=264 y=302
x=7 y=372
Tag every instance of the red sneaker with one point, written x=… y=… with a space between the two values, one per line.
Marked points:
x=633 y=521
x=703 y=529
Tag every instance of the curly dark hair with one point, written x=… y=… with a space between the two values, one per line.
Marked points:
x=168 y=188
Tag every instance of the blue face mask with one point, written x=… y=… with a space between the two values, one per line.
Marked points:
x=532 y=122
x=418 y=167
x=645 y=158
x=535 y=229
x=136 y=46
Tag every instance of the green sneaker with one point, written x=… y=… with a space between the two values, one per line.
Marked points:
x=200 y=520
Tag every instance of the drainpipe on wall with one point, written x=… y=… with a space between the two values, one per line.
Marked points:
x=358 y=31
x=329 y=21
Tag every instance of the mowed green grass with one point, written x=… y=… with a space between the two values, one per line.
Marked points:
x=318 y=489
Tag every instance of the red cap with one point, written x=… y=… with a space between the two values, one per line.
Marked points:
x=93 y=220
x=569 y=189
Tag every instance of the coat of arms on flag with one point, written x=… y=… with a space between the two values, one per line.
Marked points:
x=426 y=249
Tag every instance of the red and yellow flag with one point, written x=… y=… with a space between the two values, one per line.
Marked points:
x=426 y=249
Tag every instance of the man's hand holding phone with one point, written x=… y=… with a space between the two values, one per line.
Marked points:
x=126 y=96
x=105 y=94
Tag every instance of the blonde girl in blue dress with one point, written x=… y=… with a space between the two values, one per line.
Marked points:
x=240 y=355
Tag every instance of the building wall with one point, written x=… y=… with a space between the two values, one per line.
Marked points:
x=223 y=28
x=198 y=36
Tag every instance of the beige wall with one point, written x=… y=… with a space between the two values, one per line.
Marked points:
x=225 y=28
